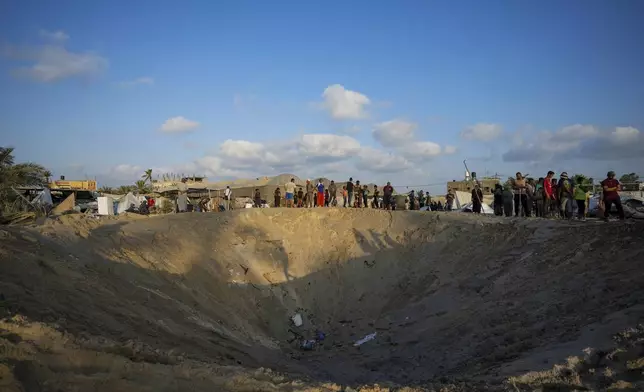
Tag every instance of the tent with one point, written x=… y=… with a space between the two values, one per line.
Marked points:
x=127 y=200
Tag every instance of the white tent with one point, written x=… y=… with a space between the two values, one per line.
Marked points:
x=127 y=200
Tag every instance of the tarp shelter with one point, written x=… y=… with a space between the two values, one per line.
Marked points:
x=127 y=200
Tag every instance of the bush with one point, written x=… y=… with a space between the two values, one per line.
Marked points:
x=167 y=206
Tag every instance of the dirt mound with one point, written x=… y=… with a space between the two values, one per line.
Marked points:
x=197 y=301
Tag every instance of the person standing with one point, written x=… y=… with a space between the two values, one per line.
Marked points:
x=228 y=198
x=520 y=196
x=610 y=195
x=365 y=196
x=345 y=196
x=540 y=198
x=333 y=200
x=289 y=188
x=449 y=199
x=580 y=199
x=320 y=188
x=508 y=197
x=309 y=194
x=498 y=200
x=376 y=197
x=477 y=199
x=566 y=194
x=300 y=198
x=258 y=198
x=350 y=192
x=549 y=195
x=277 y=197
x=387 y=194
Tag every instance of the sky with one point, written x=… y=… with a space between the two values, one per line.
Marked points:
x=401 y=91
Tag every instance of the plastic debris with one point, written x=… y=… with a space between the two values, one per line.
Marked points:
x=320 y=336
x=297 y=319
x=307 y=345
x=364 y=340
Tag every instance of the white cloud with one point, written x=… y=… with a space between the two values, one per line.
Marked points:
x=394 y=133
x=56 y=36
x=344 y=104
x=625 y=135
x=450 y=150
x=145 y=80
x=579 y=142
x=53 y=62
x=422 y=149
x=371 y=159
x=400 y=135
x=178 y=124
x=328 y=145
x=482 y=132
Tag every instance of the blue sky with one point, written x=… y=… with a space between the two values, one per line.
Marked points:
x=412 y=87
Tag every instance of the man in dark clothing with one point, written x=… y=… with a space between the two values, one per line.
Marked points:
x=387 y=193
x=412 y=200
x=610 y=195
x=350 y=191
x=333 y=189
x=477 y=199
x=498 y=200
x=376 y=195
x=566 y=192
x=258 y=198
x=277 y=197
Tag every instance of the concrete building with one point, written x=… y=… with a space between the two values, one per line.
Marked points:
x=487 y=185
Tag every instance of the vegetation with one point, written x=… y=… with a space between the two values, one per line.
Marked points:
x=147 y=176
x=630 y=182
x=167 y=206
x=141 y=186
x=584 y=182
x=13 y=175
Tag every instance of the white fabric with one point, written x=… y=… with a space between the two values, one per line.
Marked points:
x=43 y=198
x=105 y=205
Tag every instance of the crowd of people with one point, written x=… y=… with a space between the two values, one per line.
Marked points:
x=549 y=197
x=353 y=195
x=546 y=197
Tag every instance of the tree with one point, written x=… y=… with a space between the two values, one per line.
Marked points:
x=147 y=176
x=106 y=189
x=48 y=175
x=582 y=181
x=141 y=186
x=17 y=174
x=124 y=189
x=630 y=182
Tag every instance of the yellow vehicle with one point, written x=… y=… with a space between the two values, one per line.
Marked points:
x=85 y=185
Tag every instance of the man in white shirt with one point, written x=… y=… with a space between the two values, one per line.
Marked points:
x=228 y=196
x=289 y=188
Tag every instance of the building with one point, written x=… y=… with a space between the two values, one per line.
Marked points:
x=487 y=185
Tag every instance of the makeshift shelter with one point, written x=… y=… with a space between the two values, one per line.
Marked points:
x=126 y=201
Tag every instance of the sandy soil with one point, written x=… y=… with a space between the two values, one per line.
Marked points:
x=201 y=302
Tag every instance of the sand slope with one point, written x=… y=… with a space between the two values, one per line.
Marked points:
x=193 y=301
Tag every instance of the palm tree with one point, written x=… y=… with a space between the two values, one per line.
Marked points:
x=48 y=175
x=141 y=186
x=106 y=189
x=13 y=175
x=124 y=189
x=147 y=176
